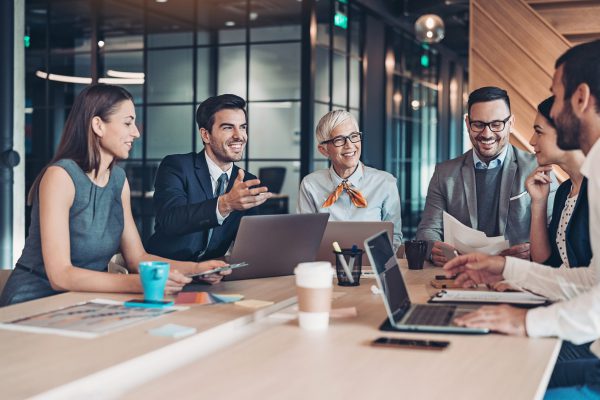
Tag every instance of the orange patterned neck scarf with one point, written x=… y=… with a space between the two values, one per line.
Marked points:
x=356 y=196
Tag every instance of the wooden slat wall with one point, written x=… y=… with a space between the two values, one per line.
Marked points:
x=514 y=47
x=514 y=44
x=577 y=20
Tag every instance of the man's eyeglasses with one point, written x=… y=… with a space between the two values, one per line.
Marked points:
x=339 y=141
x=495 y=126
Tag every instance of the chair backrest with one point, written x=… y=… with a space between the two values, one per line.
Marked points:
x=137 y=173
x=4 y=274
x=272 y=177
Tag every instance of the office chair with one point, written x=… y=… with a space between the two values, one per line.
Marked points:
x=272 y=177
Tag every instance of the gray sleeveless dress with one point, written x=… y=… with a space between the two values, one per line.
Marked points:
x=95 y=229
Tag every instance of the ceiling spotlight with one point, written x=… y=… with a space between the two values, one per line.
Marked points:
x=253 y=16
x=161 y=1
x=101 y=43
x=429 y=28
x=229 y=23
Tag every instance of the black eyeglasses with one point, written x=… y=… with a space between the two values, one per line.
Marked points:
x=339 y=141
x=495 y=126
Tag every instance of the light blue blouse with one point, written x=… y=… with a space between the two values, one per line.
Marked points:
x=378 y=187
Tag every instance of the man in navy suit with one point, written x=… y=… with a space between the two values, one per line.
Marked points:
x=200 y=198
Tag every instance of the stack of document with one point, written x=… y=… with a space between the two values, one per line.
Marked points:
x=469 y=240
x=478 y=296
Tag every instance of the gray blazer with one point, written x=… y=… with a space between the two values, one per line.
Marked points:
x=452 y=189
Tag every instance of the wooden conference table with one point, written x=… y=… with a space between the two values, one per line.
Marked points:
x=277 y=359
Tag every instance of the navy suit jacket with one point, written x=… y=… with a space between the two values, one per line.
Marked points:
x=185 y=209
x=577 y=235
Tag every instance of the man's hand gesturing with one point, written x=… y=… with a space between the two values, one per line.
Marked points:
x=242 y=197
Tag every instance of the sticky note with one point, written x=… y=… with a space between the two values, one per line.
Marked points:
x=253 y=303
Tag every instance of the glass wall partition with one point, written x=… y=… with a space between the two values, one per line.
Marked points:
x=172 y=55
x=338 y=60
x=416 y=138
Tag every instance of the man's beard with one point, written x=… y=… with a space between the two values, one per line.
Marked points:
x=221 y=152
x=568 y=129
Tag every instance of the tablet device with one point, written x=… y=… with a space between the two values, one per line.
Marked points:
x=224 y=268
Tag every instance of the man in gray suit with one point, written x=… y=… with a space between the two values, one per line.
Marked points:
x=485 y=187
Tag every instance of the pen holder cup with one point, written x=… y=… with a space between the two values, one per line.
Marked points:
x=416 y=251
x=354 y=261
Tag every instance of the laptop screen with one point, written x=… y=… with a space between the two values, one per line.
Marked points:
x=386 y=266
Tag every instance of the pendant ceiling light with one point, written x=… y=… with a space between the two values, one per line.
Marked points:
x=429 y=28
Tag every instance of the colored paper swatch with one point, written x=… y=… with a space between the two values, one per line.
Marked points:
x=227 y=298
x=206 y=298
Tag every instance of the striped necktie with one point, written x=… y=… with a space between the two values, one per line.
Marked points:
x=219 y=190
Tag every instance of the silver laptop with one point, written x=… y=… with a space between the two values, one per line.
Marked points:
x=402 y=314
x=273 y=245
x=349 y=233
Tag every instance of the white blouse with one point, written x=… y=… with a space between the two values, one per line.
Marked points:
x=565 y=217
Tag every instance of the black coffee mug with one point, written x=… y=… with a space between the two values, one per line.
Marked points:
x=415 y=251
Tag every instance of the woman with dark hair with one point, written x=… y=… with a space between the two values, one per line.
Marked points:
x=566 y=241
x=81 y=214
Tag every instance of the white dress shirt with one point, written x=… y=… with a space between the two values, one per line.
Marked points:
x=215 y=173
x=378 y=187
x=577 y=316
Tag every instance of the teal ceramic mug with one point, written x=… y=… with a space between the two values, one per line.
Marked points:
x=154 y=275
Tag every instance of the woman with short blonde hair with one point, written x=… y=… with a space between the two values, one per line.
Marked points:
x=349 y=190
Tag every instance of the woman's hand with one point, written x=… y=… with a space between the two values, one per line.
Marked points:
x=176 y=282
x=212 y=264
x=538 y=184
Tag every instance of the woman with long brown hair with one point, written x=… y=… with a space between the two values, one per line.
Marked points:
x=81 y=214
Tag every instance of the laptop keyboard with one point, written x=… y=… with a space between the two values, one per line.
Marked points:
x=430 y=315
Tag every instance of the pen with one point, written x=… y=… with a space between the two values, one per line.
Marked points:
x=342 y=260
x=352 y=257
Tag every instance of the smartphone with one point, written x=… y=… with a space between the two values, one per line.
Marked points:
x=148 y=303
x=224 y=268
x=410 y=343
x=444 y=284
x=445 y=278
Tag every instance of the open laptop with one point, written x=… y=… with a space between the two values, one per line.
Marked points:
x=402 y=314
x=349 y=233
x=273 y=245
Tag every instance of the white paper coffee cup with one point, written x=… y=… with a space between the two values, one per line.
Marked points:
x=314 y=285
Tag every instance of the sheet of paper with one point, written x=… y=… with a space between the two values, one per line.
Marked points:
x=172 y=330
x=469 y=240
x=480 y=296
x=87 y=319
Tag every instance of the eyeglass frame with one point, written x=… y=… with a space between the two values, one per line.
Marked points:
x=489 y=124
x=346 y=139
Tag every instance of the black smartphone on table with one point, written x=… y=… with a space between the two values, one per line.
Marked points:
x=404 y=343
